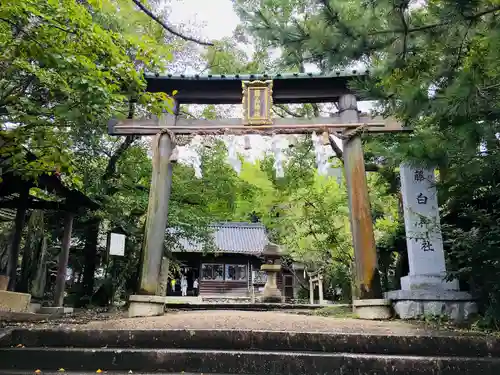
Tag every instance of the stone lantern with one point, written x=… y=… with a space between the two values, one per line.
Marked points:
x=272 y=265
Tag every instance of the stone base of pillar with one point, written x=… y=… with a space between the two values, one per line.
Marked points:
x=55 y=310
x=140 y=305
x=34 y=307
x=414 y=304
x=372 y=309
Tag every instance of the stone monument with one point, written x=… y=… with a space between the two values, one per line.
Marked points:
x=272 y=256
x=425 y=291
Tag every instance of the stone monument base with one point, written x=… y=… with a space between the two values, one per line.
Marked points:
x=372 y=309
x=413 y=304
x=428 y=282
x=140 y=305
x=14 y=302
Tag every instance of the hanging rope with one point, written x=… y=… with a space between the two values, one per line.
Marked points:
x=174 y=154
x=356 y=132
x=169 y=132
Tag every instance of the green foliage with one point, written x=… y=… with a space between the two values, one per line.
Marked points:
x=335 y=312
x=308 y=214
x=68 y=67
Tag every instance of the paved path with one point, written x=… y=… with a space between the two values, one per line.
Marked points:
x=260 y=320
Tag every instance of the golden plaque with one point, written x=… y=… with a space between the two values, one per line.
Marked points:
x=257 y=102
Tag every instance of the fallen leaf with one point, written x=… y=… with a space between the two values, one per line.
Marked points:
x=99 y=371
x=37 y=371
x=19 y=346
x=61 y=370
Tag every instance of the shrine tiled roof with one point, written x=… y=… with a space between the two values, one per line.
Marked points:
x=231 y=237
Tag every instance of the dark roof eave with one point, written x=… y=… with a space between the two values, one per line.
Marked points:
x=226 y=89
x=253 y=253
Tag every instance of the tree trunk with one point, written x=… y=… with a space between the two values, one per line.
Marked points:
x=90 y=251
x=16 y=240
x=30 y=262
x=62 y=266
x=40 y=279
x=163 y=279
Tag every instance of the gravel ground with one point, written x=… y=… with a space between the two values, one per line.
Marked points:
x=257 y=320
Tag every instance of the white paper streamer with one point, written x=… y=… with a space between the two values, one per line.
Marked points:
x=197 y=166
x=278 y=158
x=322 y=162
x=232 y=156
x=174 y=156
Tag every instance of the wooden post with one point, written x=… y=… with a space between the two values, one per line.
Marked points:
x=320 y=289
x=16 y=240
x=63 y=260
x=157 y=214
x=365 y=255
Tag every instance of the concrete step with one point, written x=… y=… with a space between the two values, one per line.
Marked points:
x=239 y=362
x=13 y=372
x=425 y=345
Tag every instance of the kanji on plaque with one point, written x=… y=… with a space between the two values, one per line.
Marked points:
x=426 y=245
x=419 y=175
x=422 y=199
x=423 y=222
x=257 y=102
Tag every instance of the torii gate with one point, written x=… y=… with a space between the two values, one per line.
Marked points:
x=259 y=93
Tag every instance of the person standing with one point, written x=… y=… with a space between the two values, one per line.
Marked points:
x=184 y=286
x=172 y=284
x=195 y=287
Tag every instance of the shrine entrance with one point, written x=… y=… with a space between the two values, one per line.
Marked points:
x=258 y=93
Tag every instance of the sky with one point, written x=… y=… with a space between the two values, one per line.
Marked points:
x=216 y=19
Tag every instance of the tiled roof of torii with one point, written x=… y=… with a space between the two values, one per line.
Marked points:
x=262 y=76
x=226 y=88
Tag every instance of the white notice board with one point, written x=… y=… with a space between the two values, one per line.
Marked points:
x=116 y=244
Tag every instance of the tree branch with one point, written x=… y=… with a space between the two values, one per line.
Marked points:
x=369 y=167
x=427 y=27
x=288 y=111
x=168 y=28
x=336 y=148
x=113 y=160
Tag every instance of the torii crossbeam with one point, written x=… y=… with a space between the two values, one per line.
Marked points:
x=233 y=126
x=257 y=98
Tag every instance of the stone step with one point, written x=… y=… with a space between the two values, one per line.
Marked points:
x=238 y=362
x=425 y=345
x=14 y=372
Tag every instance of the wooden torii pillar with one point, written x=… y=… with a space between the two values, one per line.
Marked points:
x=148 y=302
x=257 y=120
